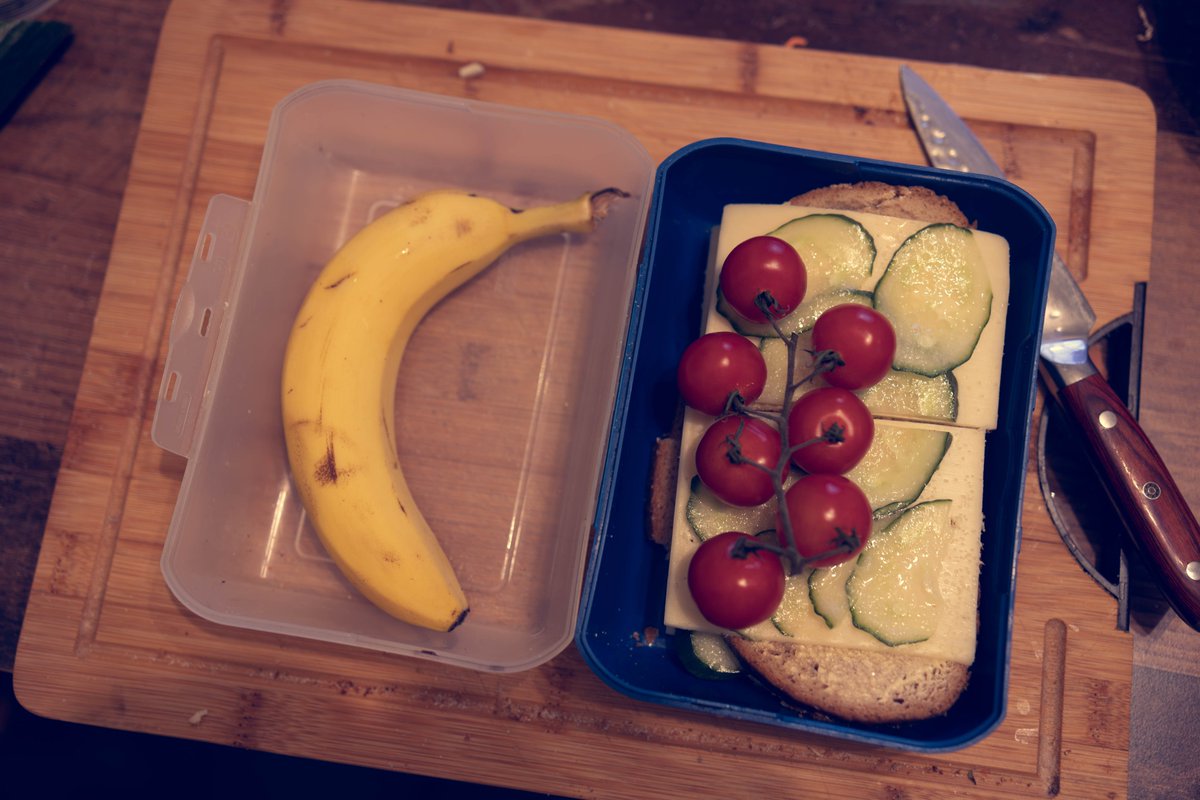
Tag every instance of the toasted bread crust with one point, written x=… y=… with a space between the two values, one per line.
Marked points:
x=664 y=471
x=906 y=202
x=861 y=686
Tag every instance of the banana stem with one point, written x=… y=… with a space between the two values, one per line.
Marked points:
x=575 y=216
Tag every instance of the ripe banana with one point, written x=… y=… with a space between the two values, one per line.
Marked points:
x=339 y=379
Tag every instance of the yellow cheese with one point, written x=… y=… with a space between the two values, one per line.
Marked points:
x=959 y=479
x=978 y=379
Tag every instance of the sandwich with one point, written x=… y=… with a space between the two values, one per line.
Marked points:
x=894 y=642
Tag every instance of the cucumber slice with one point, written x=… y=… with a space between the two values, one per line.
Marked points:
x=774 y=353
x=909 y=395
x=796 y=605
x=837 y=251
x=893 y=592
x=788 y=325
x=827 y=592
x=708 y=515
x=799 y=321
x=817 y=305
x=838 y=255
x=706 y=655
x=938 y=296
x=900 y=394
x=898 y=465
x=774 y=349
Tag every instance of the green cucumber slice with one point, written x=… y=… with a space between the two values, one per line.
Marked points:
x=909 y=395
x=774 y=349
x=796 y=605
x=893 y=592
x=774 y=353
x=905 y=395
x=788 y=325
x=708 y=515
x=938 y=296
x=706 y=655
x=837 y=251
x=898 y=465
x=827 y=592
x=838 y=255
x=799 y=321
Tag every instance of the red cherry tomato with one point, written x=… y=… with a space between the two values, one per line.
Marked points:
x=735 y=590
x=763 y=264
x=823 y=510
x=715 y=366
x=814 y=414
x=732 y=455
x=865 y=340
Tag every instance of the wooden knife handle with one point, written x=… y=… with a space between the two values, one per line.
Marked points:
x=1155 y=512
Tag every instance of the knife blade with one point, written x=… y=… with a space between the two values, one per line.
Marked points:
x=1155 y=513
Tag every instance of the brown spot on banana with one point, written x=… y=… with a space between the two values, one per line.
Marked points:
x=326 y=472
x=463 y=226
x=420 y=214
x=339 y=281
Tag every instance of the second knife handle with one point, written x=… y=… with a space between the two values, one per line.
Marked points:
x=1155 y=511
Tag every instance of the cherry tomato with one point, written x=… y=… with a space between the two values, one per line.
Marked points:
x=731 y=589
x=823 y=509
x=763 y=264
x=865 y=340
x=812 y=416
x=715 y=366
x=732 y=455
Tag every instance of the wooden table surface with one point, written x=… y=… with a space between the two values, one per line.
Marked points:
x=65 y=155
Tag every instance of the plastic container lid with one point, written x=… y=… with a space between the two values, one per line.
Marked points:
x=505 y=392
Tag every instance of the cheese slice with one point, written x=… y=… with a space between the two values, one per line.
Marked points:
x=977 y=379
x=959 y=479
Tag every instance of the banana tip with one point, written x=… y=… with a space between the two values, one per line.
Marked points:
x=459 y=621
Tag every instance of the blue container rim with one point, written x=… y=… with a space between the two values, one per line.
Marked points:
x=1021 y=405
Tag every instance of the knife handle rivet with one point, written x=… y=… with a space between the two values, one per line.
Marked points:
x=1108 y=420
x=1151 y=491
x=1193 y=570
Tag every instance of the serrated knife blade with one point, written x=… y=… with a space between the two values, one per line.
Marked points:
x=1157 y=517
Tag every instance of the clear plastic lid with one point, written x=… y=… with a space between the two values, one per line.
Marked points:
x=505 y=392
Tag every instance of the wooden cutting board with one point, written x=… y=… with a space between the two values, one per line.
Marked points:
x=104 y=641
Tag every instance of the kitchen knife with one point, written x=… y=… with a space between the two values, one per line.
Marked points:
x=1154 y=511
